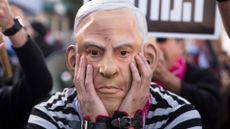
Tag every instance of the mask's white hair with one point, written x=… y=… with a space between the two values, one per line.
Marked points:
x=103 y=5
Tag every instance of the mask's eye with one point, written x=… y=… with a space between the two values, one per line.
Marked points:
x=124 y=53
x=94 y=53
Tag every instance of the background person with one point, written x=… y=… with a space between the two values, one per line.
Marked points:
x=200 y=86
x=18 y=100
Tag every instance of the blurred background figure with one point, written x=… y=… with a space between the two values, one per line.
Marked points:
x=17 y=99
x=200 y=86
x=39 y=32
x=215 y=54
x=44 y=38
x=202 y=54
x=52 y=31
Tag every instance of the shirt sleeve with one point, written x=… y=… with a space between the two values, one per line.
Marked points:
x=204 y=94
x=41 y=120
x=32 y=88
x=183 y=118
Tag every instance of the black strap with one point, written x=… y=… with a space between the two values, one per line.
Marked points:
x=81 y=124
x=14 y=29
x=102 y=122
x=120 y=120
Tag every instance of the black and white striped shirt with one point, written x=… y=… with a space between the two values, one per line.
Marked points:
x=167 y=111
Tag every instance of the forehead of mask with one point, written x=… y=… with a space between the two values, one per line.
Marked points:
x=117 y=25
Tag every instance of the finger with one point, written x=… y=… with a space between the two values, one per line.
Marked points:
x=142 y=66
x=80 y=78
x=5 y=1
x=89 y=79
x=3 y=6
x=145 y=72
x=1 y=12
x=145 y=61
x=136 y=81
x=77 y=60
x=76 y=80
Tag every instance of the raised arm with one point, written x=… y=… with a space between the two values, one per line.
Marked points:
x=17 y=101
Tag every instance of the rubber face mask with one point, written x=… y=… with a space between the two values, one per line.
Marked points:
x=110 y=40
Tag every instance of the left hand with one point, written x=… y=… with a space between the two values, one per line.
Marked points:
x=90 y=102
x=139 y=91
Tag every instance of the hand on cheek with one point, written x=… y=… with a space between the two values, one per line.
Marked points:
x=91 y=105
x=139 y=91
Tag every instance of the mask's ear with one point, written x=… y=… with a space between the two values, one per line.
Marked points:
x=71 y=58
x=151 y=52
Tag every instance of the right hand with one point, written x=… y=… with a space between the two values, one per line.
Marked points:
x=91 y=105
x=138 y=94
x=6 y=16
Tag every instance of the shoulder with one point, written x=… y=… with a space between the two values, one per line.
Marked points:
x=57 y=111
x=195 y=74
x=159 y=94
x=195 y=70
x=168 y=110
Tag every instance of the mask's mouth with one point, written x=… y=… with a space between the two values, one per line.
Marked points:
x=108 y=90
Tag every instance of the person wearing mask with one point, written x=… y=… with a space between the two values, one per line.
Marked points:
x=112 y=64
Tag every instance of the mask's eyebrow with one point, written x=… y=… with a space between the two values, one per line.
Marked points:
x=93 y=44
x=123 y=45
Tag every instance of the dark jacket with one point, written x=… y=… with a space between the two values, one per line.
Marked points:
x=16 y=102
x=201 y=87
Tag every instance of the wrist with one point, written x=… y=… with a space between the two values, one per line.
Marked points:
x=8 y=25
x=19 y=39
